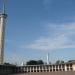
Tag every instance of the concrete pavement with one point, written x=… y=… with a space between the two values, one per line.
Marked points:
x=48 y=73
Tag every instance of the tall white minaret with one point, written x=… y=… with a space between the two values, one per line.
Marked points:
x=3 y=16
x=47 y=58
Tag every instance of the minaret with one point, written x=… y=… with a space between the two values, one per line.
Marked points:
x=22 y=64
x=47 y=58
x=3 y=16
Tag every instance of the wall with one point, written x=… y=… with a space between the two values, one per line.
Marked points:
x=7 y=69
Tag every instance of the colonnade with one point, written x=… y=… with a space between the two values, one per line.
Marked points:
x=45 y=68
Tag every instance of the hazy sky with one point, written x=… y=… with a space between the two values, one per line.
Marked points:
x=35 y=27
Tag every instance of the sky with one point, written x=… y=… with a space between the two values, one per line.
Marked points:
x=37 y=27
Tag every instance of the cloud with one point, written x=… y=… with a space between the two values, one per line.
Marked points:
x=60 y=36
x=70 y=26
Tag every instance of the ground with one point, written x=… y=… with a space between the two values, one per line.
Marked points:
x=48 y=73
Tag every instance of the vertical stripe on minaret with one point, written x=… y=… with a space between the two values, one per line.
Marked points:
x=2 y=32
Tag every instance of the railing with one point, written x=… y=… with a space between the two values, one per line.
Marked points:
x=45 y=68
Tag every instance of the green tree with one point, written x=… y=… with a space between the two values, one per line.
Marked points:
x=59 y=62
x=40 y=62
x=34 y=62
x=31 y=62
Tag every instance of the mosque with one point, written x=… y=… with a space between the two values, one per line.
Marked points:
x=68 y=66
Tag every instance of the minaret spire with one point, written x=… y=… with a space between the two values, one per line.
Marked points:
x=3 y=6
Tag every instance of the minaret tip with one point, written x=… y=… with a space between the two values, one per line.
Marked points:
x=3 y=6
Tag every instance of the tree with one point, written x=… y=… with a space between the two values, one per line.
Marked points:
x=8 y=64
x=59 y=62
x=34 y=62
x=71 y=61
x=31 y=62
x=40 y=62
